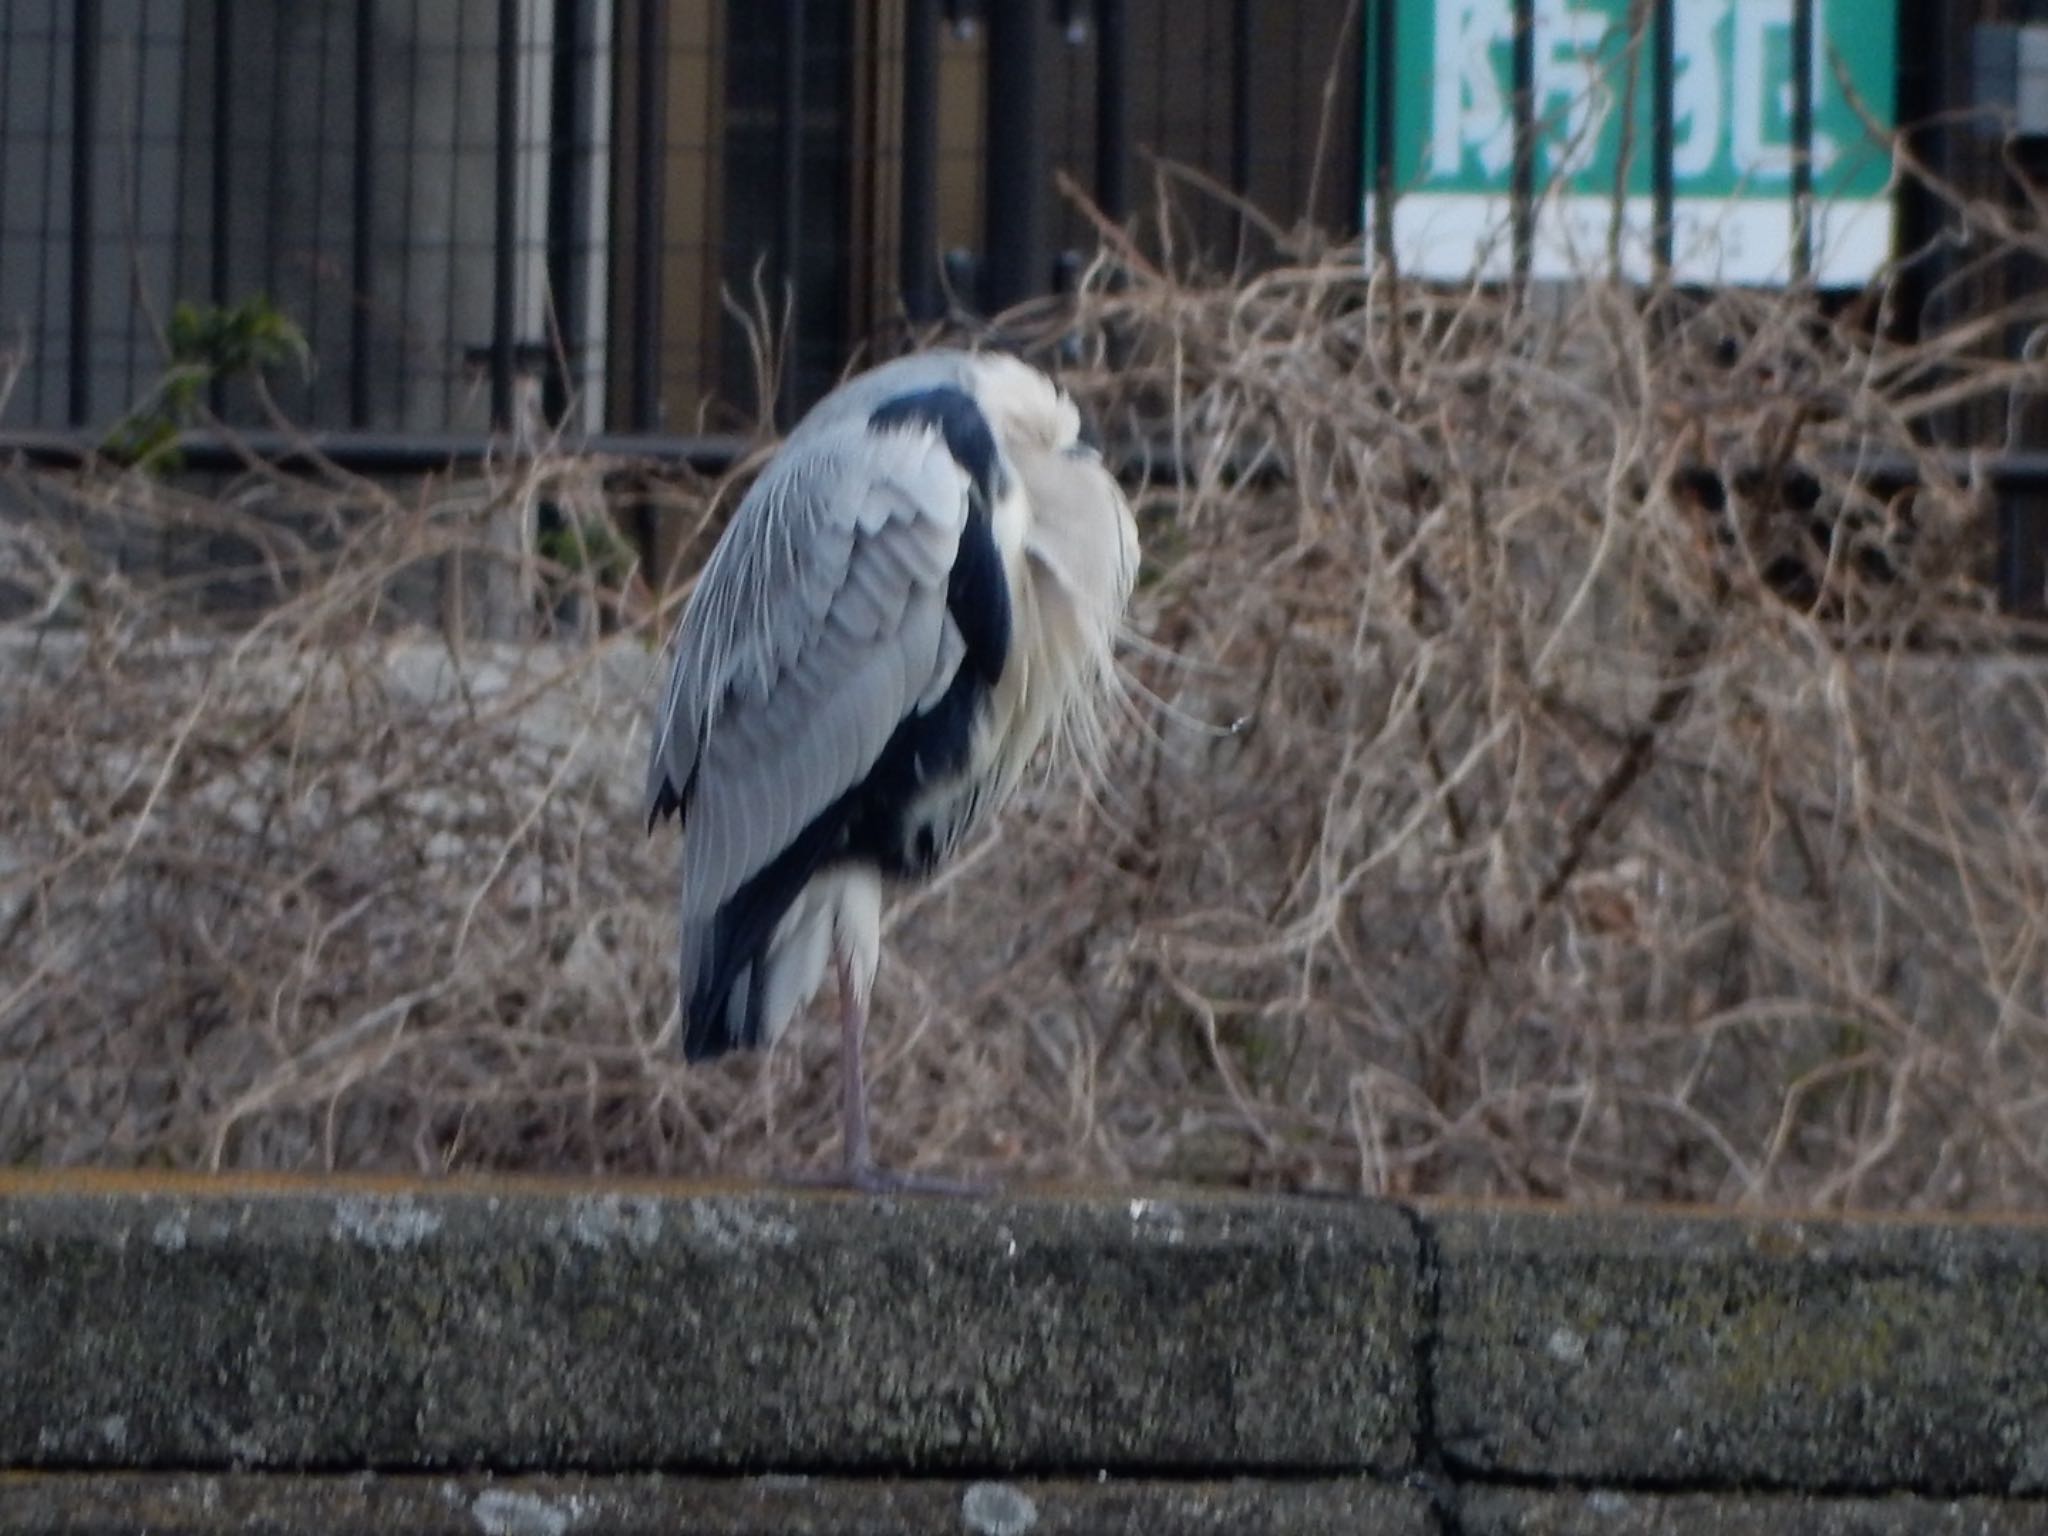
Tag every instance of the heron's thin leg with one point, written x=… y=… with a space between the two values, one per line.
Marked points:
x=859 y=1170
x=853 y=1086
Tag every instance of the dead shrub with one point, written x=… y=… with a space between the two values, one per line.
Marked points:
x=1632 y=793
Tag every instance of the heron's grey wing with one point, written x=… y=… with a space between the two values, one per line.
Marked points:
x=819 y=625
x=827 y=572
x=848 y=661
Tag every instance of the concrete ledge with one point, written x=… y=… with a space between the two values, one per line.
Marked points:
x=524 y=1331
x=1674 y=1351
x=369 y=1504
x=1514 y=1512
x=1525 y=1370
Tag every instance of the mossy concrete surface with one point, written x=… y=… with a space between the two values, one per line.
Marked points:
x=188 y=1355
x=1714 y=1353
x=549 y=1331
x=369 y=1504
x=1515 y=1512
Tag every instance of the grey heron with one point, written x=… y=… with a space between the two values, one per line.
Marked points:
x=923 y=586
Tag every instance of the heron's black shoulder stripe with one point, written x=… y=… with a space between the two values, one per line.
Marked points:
x=959 y=421
x=978 y=597
x=977 y=594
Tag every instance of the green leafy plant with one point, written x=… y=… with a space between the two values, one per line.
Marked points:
x=207 y=343
x=588 y=546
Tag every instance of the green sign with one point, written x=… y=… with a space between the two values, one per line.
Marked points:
x=1732 y=151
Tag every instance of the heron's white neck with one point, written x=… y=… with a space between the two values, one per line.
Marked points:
x=1069 y=580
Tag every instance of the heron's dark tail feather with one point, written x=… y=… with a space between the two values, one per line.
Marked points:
x=662 y=803
x=725 y=969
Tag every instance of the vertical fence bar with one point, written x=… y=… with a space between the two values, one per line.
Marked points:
x=272 y=143
x=504 y=234
x=1663 y=132
x=1802 y=139
x=1112 y=109
x=2021 y=515
x=361 y=191
x=650 y=187
x=918 y=224
x=789 y=157
x=320 y=55
x=7 y=52
x=1243 y=33
x=44 y=199
x=221 y=190
x=85 y=96
x=1378 y=161
x=1013 y=197
x=1523 y=187
x=565 y=205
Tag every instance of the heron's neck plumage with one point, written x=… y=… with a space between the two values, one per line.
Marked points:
x=1069 y=581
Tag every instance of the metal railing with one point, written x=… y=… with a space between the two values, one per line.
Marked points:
x=486 y=211
x=439 y=194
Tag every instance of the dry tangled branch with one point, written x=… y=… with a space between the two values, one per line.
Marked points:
x=1635 y=793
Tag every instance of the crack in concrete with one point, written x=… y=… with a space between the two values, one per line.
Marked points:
x=1431 y=1476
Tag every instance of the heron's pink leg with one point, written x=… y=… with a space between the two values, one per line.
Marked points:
x=853 y=1088
x=859 y=1170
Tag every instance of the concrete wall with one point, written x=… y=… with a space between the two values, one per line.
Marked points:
x=195 y=1356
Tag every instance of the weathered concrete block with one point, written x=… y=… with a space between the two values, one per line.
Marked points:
x=418 y=1505
x=518 y=1330
x=1519 y=1512
x=1724 y=1353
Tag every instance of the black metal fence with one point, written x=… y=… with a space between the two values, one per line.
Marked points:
x=490 y=216
x=486 y=213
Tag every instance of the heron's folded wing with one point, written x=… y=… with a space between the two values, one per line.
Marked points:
x=815 y=631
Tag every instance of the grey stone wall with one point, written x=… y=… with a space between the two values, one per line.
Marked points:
x=283 y=1356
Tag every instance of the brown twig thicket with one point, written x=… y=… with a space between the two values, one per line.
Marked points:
x=1570 y=752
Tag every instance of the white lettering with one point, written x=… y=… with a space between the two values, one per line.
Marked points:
x=1757 y=152
x=1570 y=73
x=1696 y=88
x=1469 y=110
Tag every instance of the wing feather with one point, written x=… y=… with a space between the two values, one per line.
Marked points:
x=814 y=631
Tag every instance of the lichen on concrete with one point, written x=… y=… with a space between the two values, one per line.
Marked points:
x=906 y=1342
x=426 y=1329
x=1720 y=1353
x=1606 y=1512
x=383 y=1505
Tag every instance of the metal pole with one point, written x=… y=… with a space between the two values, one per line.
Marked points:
x=361 y=279
x=1524 y=184
x=649 y=189
x=789 y=154
x=507 y=210
x=918 y=225
x=223 y=181
x=2020 y=557
x=565 y=205
x=1243 y=32
x=1112 y=109
x=1663 y=134
x=384 y=451
x=1802 y=139
x=85 y=95
x=1013 y=196
x=1379 y=166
